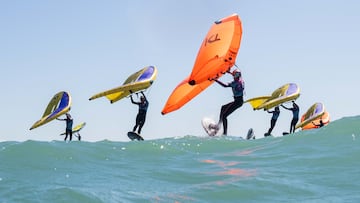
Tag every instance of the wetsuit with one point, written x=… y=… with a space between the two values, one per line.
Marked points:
x=238 y=89
x=295 y=110
x=321 y=124
x=274 y=118
x=295 y=119
x=141 y=116
x=69 y=124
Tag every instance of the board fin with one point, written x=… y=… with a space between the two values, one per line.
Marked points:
x=250 y=134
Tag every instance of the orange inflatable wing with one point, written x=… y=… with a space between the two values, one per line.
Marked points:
x=218 y=51
x=325 y=119
x=182 y=94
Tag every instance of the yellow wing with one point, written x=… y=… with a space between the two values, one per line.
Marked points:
x=58 y=105
x=125 y=90
x=79 y=127
x=140 y=80
x=257 y=101
x=285 y=93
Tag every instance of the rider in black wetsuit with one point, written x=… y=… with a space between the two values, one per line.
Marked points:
x=69 y=124
x=141 y=116
x=295 y=110
x=237 y=86
x=275 y=116
x=321 y=124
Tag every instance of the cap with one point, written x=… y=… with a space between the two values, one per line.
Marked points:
x=236 y=73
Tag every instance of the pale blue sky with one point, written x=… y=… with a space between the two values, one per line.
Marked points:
x=85 y=47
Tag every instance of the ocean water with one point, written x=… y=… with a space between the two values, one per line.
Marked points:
x=321 y=165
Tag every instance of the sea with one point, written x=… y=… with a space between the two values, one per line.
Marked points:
x=320 y=165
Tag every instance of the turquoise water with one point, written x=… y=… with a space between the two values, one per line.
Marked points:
x=321 y=165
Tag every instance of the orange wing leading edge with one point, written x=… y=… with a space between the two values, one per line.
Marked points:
x=216 y=56
x=218 y=50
